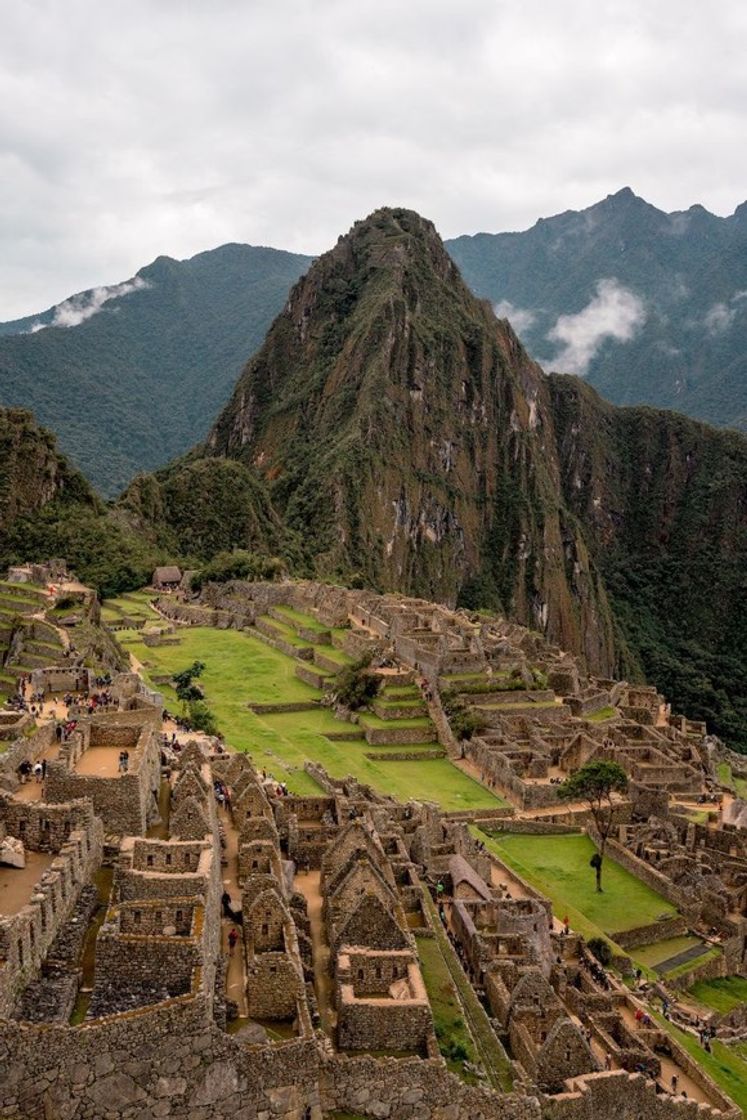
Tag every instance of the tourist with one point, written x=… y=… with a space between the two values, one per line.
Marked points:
x=126 y=760
x=233 y=937
x=566 y=925
x=121 y=764
x=25 y=770
x=44 y=769
x=38 y=772
x=673 y=1083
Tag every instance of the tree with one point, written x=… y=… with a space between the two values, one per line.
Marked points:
x=595 y=784
x=185 y=689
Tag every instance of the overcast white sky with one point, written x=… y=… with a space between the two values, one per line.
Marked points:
x=130 y=129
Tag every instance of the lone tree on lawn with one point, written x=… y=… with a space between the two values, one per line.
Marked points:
x=595 y=783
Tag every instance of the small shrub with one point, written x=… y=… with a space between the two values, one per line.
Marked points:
x=354 y=686
x=201 y=718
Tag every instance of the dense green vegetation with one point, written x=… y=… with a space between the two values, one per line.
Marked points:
x=689 y=352
x=138 y=383
x=662 y=500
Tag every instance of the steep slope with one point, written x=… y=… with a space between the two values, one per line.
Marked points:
x=668 y=326
x=402 y=433
x=142 y=368
x=663 y=501
x=48 y=509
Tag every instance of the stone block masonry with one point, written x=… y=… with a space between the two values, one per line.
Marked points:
x=75 y=836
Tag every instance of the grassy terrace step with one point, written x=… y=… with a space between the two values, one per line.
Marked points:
x=242 y=669
x=391 y=693
x=23 y=591
x=331 y=659
x=386 y=700
x=9 y=604
x=558 y=866
x=44 y=648
x=722 y=995
x=274 y=627
x=39 y=661
x=299 y=618
x=312 y=674
x=397 y=712
x=369 y=719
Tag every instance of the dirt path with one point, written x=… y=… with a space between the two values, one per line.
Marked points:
x=236 y=973
x=17 y=883
x=668 y=1067
x=308 y=883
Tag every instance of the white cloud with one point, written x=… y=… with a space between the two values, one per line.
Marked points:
x=614 y=312
x=74 y=311
x=519 y=317
x=721 y=316
x=280 y=124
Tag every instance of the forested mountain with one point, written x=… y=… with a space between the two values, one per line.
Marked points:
x=132 y=375
x=650 y=307
x=393 y=431
x=47 y=509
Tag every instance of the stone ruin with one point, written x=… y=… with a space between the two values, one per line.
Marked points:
x=119 y=987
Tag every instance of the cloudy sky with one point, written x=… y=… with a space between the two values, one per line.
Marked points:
x=170 y=126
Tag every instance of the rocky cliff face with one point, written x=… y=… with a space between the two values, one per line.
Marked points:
x=406 y=435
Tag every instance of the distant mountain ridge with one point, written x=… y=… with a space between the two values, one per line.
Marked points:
x=650 y=307
x=140 y=380
x=667 y=328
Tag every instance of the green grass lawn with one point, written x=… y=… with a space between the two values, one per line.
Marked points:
x=306 y=620
x=451 y=1031
x=663 y=950
x=726 y=1066
x=240 y=668
x=559 y=867
x=128 y=606
x=368 y=719
x=723 y=994
x=601 y=715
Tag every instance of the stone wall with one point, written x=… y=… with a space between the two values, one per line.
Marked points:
x=414 y=1089
x=653 y=931
x=25 y=937
x=29 y=748
x=167 y=1062
x=125 y=802
x=622 y=1096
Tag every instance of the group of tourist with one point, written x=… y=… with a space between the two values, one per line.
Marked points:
x=38 y=769
x=64 y=730
x=222 y=794
x=124 y=762
x=595 y=969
